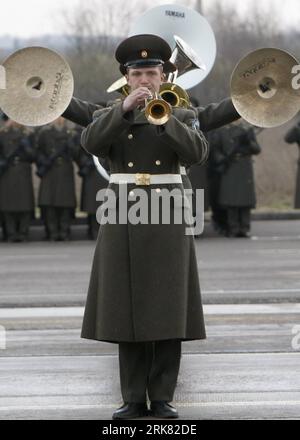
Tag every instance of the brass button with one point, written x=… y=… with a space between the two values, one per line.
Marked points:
x=131 y=193
x=130 y=136
x=158 y=162
x=130 y=164
x=158 y=190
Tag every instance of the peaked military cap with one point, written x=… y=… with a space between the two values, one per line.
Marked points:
x=145 y=50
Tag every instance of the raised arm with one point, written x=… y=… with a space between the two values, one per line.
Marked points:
x=81 y=112
x=216 y=115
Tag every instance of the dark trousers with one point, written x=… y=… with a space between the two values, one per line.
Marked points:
x=149 y=367
x=57 y=222
x=16 y=225
x=238 y=219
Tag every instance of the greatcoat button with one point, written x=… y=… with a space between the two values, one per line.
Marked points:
x=130 y=164
x=131 y=193
x=158 y=162
x=158 y=190
x=130 y=136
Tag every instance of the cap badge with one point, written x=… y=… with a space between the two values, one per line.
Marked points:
x=144 y=54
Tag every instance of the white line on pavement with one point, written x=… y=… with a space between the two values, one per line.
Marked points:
x=179 y=405
x=207 y=292
x=209 y=309
x=275 y=238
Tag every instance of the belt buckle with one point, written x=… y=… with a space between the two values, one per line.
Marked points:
x=142 y=179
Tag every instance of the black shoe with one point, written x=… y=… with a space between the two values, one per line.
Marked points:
x=244 y=234
x=131 y=410
x=52 y=237
x=231 y=234
x=163 y=409
x=63 y=237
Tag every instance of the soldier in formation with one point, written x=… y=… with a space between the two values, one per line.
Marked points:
x=17 y=153
x=56 y=151
x=291 y=137
x=232 y=148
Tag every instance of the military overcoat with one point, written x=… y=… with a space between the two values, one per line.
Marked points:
x=293 y=135
x=237 y=187
x=18 y=152
x=57 y=187
x=144 y=283
x=92 y=182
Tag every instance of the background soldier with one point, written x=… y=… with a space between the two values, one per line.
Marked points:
x=3 y=118
x=293 y=135
x=237 y=190
x=17 y=153
x=215 y=169
x=197 y=174
x=55 y=154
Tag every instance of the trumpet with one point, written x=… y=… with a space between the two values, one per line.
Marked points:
x=175 y=95
x=157 y=110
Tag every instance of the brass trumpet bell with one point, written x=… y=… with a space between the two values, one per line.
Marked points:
x=157 y=111
x=175 y=95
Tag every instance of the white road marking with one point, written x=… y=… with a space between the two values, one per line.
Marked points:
x=275 y=238
x=23 y=408
x=209 y=309
x=207 y=292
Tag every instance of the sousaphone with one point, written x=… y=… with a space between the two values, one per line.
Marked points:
x=188 y=26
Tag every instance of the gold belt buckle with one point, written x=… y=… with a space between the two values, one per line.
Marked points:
x=142 y=179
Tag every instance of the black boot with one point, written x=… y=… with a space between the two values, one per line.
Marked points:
x=160 y=408
x=131 y=410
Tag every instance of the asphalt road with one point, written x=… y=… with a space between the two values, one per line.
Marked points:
x=247 y=368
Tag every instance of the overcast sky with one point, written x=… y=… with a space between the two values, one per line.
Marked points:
x=26 y=18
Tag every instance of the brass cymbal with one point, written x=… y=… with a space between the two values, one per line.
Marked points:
x=261 y=87
x=39 y=86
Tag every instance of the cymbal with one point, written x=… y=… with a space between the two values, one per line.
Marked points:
x=261 y=87
x=39 y=86
x=2 y=78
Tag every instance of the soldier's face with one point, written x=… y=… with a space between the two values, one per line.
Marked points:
x=150 y=77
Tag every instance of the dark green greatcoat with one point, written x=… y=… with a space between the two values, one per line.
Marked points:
x=293 y=136
x=210 y=118
x=237 y=144
x=57 y=187
x=92 y=182
x=144 y=283
x=96 y=324
x=17 y=153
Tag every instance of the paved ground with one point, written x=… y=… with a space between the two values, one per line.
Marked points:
x=248 y=368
